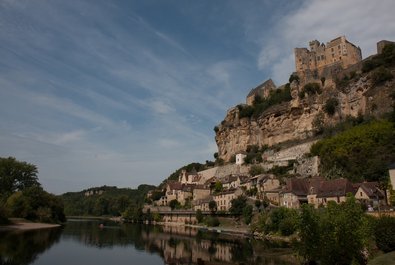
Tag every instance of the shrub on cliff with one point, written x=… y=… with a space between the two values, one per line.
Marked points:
x=330 y=106
x=359 y=153
x=380 y=75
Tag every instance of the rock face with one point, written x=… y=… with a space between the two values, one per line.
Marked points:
x=293 y=121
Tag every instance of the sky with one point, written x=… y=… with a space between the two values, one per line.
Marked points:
x=121 y=93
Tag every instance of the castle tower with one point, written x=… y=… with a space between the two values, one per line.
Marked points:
x=319 y=61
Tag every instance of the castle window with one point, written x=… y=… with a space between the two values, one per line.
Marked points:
x=338 y=46
x=333 y=55
x=332 y=49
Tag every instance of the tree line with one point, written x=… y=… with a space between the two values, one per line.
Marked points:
x=21 y=194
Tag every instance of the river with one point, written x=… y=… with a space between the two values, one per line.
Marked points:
x=86 y=242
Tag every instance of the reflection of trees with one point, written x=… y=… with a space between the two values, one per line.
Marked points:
x=19 y=248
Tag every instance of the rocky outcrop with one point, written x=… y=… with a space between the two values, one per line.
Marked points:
x=293 y=120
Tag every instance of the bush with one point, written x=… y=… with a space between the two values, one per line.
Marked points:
x=293 y=77
x=212 y=221
x=256 y=170
x=384 y=233
x=247 y=214
x=199 y=216
x=330 y=106
x=380 y=75
x=310 y=89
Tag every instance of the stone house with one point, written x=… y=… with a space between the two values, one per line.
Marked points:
x=330 y=190
x=189 y=177
x=201 y=192
x=202 y=204
x=230 y=182
x=369 y=193
x=295 y=193
x=224 y=199
x=273 y=196
x=177 y=191
x=267 y=182
x=240 y=158
x=263 y=91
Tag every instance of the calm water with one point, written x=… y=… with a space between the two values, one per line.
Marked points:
x=84 y=242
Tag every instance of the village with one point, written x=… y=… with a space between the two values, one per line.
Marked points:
x=195 y=190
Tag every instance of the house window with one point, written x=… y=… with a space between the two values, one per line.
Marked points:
x=360 y=193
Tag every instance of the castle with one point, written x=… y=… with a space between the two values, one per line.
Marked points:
x=325 y=60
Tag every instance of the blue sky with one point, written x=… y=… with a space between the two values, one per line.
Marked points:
x=98 y=92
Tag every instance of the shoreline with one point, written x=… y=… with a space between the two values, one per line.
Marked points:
x=26 y=225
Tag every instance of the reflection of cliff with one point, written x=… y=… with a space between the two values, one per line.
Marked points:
x=20 y=247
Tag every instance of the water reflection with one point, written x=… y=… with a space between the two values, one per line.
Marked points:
x=23 y=247
x=130 y=243
x=180 y=245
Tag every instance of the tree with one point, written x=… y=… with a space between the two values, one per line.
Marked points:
x=16 y=176
x=218 y=186
x=384 y=233
x=247 y=214
x=330 y=106
x=199 y=216
x=335 y=235
x=212 y=205
x=238 y=205
x=174 y=204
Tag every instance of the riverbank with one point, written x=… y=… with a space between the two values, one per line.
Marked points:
x=21 y=224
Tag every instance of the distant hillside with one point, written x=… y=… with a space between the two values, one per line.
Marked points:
x=105 y=200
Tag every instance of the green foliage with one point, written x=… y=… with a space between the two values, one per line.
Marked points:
x=359 y=153
x=238 y=205
x=16 y=176
x=188 y=168
x=211 y=221
x=281 y=171
x=218 y=187
x=133 y=213
x=113 y=201
x=330 y=106
x=283 y=220
x=310 y=89
x=256 y=170
x=245 y=111
x=334 y=235
x=247 y=214
x=276 y=97
x=35 y=204
x=318 y=123
x=199 y=216
x=212 y=205
x=384 y=233
x=254 y=154
x=293 y=77
x=380 y=75
x=174 y=204
x=3 y=215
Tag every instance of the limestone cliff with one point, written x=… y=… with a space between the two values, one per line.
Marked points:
x=293 y=120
